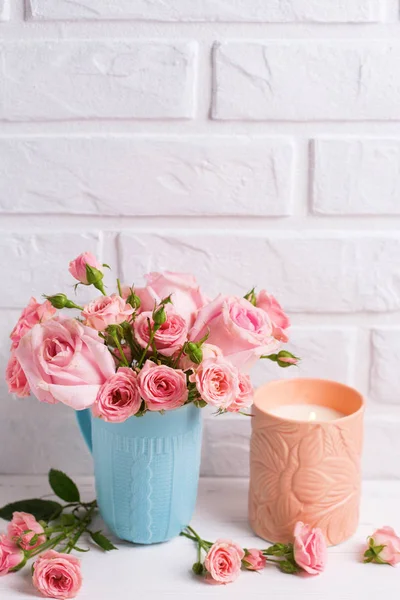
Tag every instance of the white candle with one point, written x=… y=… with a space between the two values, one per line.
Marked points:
x=306 y=412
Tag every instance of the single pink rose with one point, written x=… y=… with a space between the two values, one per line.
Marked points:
x=168 y=339
x=217 y=381
x=57 y=575
x=242 y=331
x=105 y=311
x=309 y=548
x=162 y=387
x=223 y=561
x=274 y=310
x=254 y=560
x=185 y=293
x=16 y=378
x=64 y=361
x=21 y=522
x=246 y=394
x=119 y=397
x=32 y=314
x=77 y=267
x=209 y=351
x=386 y=537
x=10 y=555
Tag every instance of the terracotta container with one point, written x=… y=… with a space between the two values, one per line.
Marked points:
x=305 y=470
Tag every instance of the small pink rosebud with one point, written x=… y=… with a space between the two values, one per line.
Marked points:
x=25 y=522
x=384 y=547
x=290 y=360
x=254 y=560
x=86 y=268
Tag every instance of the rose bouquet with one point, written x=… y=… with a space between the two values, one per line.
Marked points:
x=151 y=348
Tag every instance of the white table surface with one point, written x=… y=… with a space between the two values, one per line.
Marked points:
x=164 y=570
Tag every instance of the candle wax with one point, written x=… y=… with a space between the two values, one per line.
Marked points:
x=306 y=412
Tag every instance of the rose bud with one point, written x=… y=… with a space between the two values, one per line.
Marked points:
x=87 y=270
x=254 y=560
x=286 y=359
x=61 y=301
x=24 y=528
x=384 y=547
x=194 y=352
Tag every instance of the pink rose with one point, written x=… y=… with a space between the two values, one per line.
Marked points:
x=119 y=397
x=31 y=315
x=309 y=548
x=64 y=361
x=217 y=382
x=21 y=522
x=168 y=339
x=57 y=575
x=185 y=293
x=386 y=537
x=10 y=555
x=209 y=351
x=105 y=311
x=223 y=561
x=245 y=397
x=77 y=267
x=162 y=387
x=16 y=378
x=274 y=310
x=242 y=331
x=254 y=560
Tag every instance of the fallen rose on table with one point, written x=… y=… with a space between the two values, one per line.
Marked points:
x=224 y=559
x=38 y=527
x=383 y=547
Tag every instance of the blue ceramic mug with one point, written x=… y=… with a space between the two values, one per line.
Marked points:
x=146 y=471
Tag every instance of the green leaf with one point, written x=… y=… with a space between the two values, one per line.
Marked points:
x=67 y=519
x=102 y=541
x=287 y=567
x=63 y=486
x=45 y=510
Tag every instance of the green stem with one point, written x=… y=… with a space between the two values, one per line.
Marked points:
x=81 y=529
x=123 y=358
x=199 y=553
x=178 y=358
x=49 y=544
x=146 y=349
x=198 y=538
x=273 y=560
x=119 y=287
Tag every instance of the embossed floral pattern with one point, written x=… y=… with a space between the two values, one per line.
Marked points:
x=308 y=472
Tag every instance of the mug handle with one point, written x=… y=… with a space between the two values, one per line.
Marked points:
x=84 y=419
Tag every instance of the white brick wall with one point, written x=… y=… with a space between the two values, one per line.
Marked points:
x=251 y=142
x=209 y=10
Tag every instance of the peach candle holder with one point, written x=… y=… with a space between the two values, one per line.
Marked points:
x=305 y=470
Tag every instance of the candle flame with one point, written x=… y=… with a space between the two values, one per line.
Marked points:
x=312 y=416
